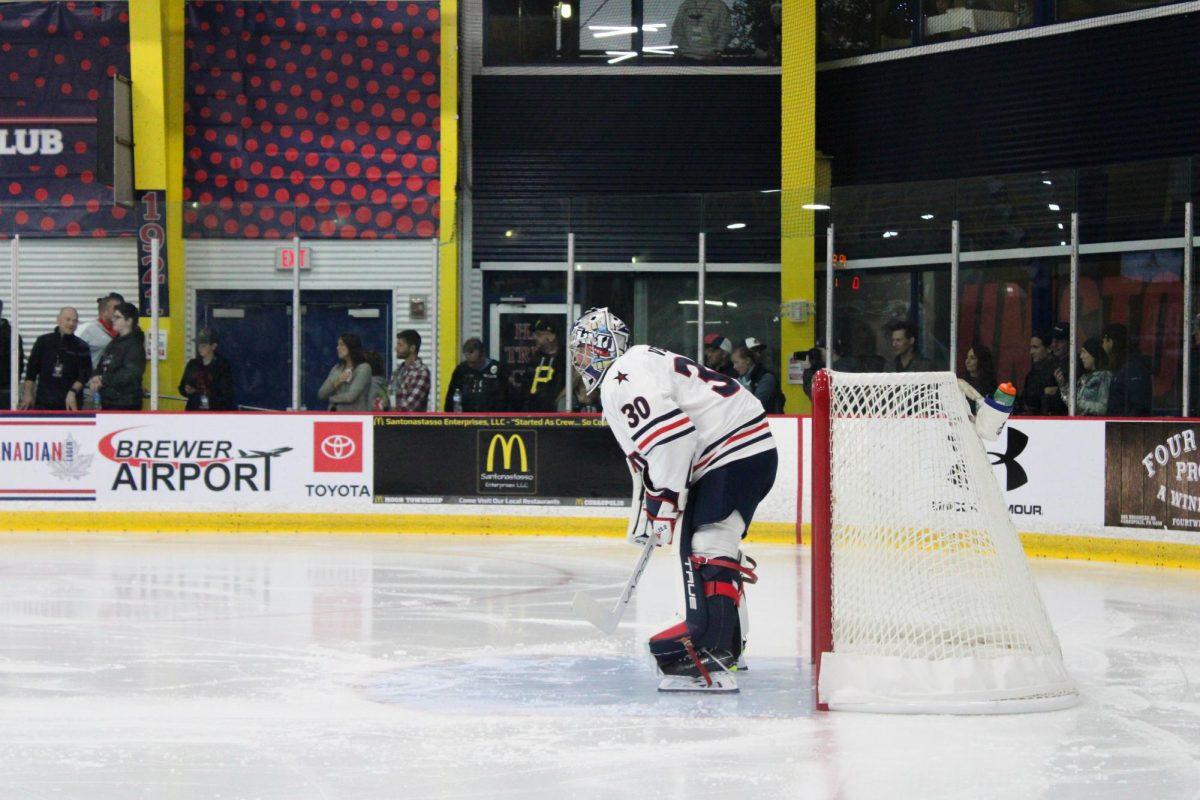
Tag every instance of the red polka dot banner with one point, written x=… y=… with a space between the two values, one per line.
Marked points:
x=56 y=62
x=317 y=119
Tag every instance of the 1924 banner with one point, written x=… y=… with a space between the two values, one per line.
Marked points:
x=498 y=460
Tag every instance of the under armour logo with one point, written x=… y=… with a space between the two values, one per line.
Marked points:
x=1017 y=443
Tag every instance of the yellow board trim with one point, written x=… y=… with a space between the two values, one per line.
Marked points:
x=449 y=334
x=1037 y=545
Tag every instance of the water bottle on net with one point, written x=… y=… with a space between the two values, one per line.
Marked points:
x=994 y=412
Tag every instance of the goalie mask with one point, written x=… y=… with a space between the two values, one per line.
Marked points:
x=597 y=339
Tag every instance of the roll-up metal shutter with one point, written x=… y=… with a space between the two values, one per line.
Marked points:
x=1102 y=95
x=67 y=272
x=625 y=150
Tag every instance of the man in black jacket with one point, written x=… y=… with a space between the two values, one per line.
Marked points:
x=1039 y=394
x=5 y=370
x=207 y=381
x=546 y=382
x=59 y=365
x=481 y=383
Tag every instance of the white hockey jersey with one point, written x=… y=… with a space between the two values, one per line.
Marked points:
x=676 y=420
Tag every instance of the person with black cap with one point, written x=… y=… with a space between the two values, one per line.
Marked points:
x=543 y=387
x=718 y=354
x=207 y=381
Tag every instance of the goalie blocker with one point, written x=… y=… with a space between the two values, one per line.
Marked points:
x=702 y=449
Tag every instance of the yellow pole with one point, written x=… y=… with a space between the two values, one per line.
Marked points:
x=798 y=181
x=448 y=292
x=157 y=64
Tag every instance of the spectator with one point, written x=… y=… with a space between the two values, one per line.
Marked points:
x=410 y=381
x=5 y=357
x=813 y=361
x=348 y=386
x=903 y=337
x=979 y=374
x=1060 y=346
x=586 y=403
x=99 y=332
x=207 y=380
x=545 y=390
x=379 y=387
x=1094 y=380
x=717 y=352
x=1194 y=378
x=118 y=376
x=481 y=382
x=702 y=29
x=1040 y=394
x=1130 y=392
x=762 y=384
x=60 y=365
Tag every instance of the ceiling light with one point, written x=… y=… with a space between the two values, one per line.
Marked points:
x=815 y=207
x=735 y=226
x=606 y=31
x=633 y=260
x=509 y=234
x=564 y=10
x=773 y=191
x=617 y=56
x=890 y=234
x=660 y=49
x=1060 y=226
x=1048 y=183
x=731 y=304
x=1054 y=207
x=927 y=216
x=1064 y=244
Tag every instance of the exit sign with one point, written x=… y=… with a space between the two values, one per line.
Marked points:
x=285 y=258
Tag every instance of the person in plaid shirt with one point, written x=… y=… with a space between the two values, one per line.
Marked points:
x=410 y=381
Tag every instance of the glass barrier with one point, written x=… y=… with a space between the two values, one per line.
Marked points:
x=648 y=32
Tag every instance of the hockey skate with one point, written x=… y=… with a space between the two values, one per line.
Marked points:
x=700 y=672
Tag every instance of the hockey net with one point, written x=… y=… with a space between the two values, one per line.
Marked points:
x=923 y=600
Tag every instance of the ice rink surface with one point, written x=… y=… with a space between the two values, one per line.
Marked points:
x=426 y=667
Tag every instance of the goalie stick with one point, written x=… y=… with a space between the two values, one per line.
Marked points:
x=589 y=607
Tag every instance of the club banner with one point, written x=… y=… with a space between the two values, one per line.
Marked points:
x=498 y=460
x=1152 y=476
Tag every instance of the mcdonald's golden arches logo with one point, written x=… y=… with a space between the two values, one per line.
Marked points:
x=507 y=445
x=507 y=461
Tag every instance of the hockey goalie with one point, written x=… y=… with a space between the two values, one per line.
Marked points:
x=701 y=446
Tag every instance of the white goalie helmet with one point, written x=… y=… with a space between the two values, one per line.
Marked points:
x=597 y=339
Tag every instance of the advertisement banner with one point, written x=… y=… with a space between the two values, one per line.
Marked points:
x=1152 y=476
x=474 y=460
x=1051 y=471
x=234 y=462
x=48 y=458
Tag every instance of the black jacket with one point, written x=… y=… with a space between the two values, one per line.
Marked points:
x=483 y=389
x=1131 y=392
x=763 y=384
x=214 y=380
x=544 y=384
x=64 y=354
x=1033 y=399
x=5 y=343
x=122 y=365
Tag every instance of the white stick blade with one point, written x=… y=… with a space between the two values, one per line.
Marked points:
x=590 y=609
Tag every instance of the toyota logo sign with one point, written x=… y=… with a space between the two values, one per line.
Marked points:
x=338 y=447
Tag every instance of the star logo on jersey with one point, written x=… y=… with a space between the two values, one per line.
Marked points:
x=622 y=377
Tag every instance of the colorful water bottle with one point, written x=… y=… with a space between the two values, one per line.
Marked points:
x=994 y=412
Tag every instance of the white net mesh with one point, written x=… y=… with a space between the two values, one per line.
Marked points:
x=934 y=606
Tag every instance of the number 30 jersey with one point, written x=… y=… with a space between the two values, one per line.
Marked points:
x=677 y=420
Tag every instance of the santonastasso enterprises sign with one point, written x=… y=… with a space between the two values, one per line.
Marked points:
x=502 y=460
